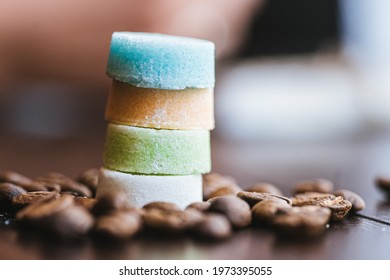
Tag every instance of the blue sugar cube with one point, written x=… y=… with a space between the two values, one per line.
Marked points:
x=151 y=60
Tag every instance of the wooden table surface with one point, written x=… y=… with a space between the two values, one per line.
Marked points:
x=349 y=163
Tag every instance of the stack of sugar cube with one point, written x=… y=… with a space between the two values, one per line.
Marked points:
x=160 y=111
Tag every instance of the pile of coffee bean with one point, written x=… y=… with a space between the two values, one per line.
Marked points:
x=64 y=207
x=313 y=206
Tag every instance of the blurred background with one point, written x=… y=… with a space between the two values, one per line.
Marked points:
x=289 y=74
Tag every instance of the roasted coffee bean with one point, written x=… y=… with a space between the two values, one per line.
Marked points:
x=163 y=205
x=264 y=187
x=340 y=210
x=229 y=190
x=120 y=224
x=72 y=222
x=315 y=198
x=264 y=211
x=43 y=208
x=90 y=178
x=72 y=194
x=34 y=186
x=14 y=178
x=87 y=203
x=216 y=178
x=9 y=190
x=219 y=190
x=254 y=197
x=75 y=187
x=166 y=221
x=302 y=218
x=383 y=183
x=25 y=199
x=58 y=216
x=109 y=203
x=171 y=221
x=53 y=187
x=202 y=206
x=194 y=217
x=42 y=186
x=66 y=183
x=336 y=204
x=214 y=226
x=214 y=181
x=316 y=185
x=355 y=199
x=235 y=209
x=22 y=181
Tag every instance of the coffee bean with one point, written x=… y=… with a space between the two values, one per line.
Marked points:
x=34 y=186
x=72 y=194
x=87 y=203
x=235 y=209
x=315 y=198
x=315 y=185
x=214 y=181
x=213 y=226
x=109 y=203
x=171 y=221
x=254 y=197
x=228 y=190
x=52 y=187
x=336 y=204
x=66 y=183
x=340 y=210
x=194 y=217
x=72 y=222
x=383 y=183
x=355 y=199
x=264 y=187
x=43 y=208
x=120 y=224
x=160 y=220
x=58 y=216
x=22 y=181
x=25 y=199
x=41 y=186
x=219 y=190
x=202 y=206
x=163 y=205
x=9 y=190
x=304 y=218
x=264 y=211
x=90 y=178
x=214 y=177
x=14 y=178
x=81 y=190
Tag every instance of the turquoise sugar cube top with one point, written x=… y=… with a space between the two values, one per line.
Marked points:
x=161 y=61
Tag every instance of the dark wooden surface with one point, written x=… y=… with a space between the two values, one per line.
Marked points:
x=350 y=163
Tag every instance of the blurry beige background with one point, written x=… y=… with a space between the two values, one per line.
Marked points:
x=286 y=70
x=69 y=40
x=53 y=54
